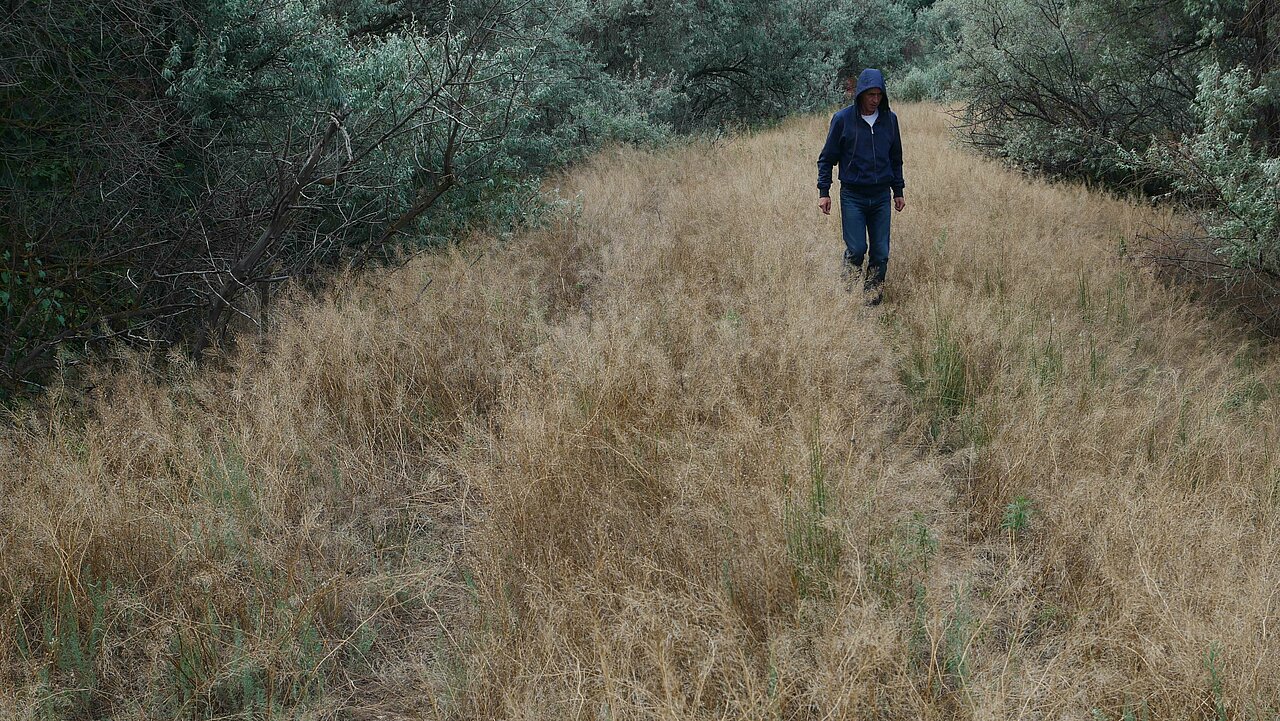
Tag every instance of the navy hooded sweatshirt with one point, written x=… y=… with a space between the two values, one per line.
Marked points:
x=869 y=156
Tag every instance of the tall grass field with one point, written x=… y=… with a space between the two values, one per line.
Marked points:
x=653 y=460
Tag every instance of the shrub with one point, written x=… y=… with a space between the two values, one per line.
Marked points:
x=1218 y=170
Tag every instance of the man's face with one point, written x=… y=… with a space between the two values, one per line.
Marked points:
x=869 y=101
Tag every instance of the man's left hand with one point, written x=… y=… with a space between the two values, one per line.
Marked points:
x=899 y=203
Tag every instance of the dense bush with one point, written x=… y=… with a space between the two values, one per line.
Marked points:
x=928 y=70
x=171 y=155
x=1065 y=87
x=744 y=60
x=1234 y=180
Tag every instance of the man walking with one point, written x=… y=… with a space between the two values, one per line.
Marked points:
x=864 y=141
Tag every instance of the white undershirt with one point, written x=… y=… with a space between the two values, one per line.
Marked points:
x=871 y=119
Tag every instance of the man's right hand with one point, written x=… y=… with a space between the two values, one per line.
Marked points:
x=825 y=205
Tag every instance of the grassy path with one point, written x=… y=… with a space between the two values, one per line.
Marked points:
x=653 y=461
x=1062 y=498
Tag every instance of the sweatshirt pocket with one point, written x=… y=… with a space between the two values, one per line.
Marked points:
x=860 y=151
x=883 y=142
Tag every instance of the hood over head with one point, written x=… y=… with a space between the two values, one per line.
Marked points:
x=871 y=78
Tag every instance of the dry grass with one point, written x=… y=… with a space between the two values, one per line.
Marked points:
x=654 y=462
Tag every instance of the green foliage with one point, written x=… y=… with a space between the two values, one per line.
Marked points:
x=66 y=648
x=813 y=545
x=263 y=658
x=30 y=299
x=1097 y=362
x=421 y=101
x=928 y=73
x=735 y=61
x=1219 y=170
x=895 y=568
x=1068 y=88
x=949 y=374
x=251 y=668
x=1047 y=362
x=1214 y=665
x=937 y=376
x=1141 y=712
x=958 y=636
x=931 y=82
x=1017 y=516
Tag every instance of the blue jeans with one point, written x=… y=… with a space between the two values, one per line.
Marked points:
x=865 y=216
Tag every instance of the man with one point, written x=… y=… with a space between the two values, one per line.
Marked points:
x=864 y=141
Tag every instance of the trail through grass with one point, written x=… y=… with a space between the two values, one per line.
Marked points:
x=654 y=461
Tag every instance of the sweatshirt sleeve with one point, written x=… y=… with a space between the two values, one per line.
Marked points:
x=829 y=156
x=895 y=160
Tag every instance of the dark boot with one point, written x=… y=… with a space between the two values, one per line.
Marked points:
x=850 y=274
x=874 y=292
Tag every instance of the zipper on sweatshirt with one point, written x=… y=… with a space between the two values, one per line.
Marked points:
x=875 y=152
x=875 y=159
